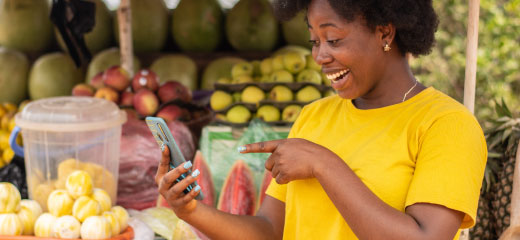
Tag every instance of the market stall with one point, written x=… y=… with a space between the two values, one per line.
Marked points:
x=76 y=149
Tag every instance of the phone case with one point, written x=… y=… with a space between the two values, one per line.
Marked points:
x=163 y=136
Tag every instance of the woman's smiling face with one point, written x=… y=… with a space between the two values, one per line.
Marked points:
x=349 y=52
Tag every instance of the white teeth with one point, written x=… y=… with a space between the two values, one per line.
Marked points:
x=333 y=76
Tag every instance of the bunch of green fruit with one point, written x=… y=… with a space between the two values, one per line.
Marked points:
x=286 y=67
x=269 y=113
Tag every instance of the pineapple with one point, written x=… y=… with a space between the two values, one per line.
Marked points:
x=484 y=228
x=493 y=215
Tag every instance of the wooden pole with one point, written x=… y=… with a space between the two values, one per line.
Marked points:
x=470 y=80
x=471 y=55
x=124 y=17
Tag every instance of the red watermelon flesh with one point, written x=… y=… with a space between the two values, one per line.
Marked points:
x=265 y=183
x=238 y=193
x=204 y=180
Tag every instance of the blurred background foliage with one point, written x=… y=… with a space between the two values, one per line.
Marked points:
x=498 y=63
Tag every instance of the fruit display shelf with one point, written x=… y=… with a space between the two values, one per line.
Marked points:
x=128 y=234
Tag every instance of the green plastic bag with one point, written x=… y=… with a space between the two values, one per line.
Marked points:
x=220 y=156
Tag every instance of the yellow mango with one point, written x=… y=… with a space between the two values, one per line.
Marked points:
x=10 y=224
x=96 y=227
x=8 y=155
x=60 y=203
x=67 y=166
x=79 y=183
x=3 y=111
x=122 y=216
x=4 y=121
x=114 y=222
x=102 y=197
x=10 y=107
x=67 y=227
x=85 y=207
x=19 y=140
x=41 y=193
x=29 y=212
x=9 y=198
x=32 y=206
x=4 y=139
x=43 y=227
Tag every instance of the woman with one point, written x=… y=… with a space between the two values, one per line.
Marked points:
x=386 y=158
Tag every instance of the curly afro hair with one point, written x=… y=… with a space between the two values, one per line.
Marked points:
x=415 y=20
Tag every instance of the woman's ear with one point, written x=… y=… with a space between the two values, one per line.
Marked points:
x=385 y=34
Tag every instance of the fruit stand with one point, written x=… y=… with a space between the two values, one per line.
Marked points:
x=213 y=85
x=220 y=78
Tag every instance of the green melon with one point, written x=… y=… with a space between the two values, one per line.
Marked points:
x=296 y=31
x=251 y=26
x=105 y=59
x=218 y=68
x=292 y=48
x=176 y=67
x=101 y=35
x=149 y=25
x=197 y=25
x=14 y=68
x=25 y=25
x=53 y=75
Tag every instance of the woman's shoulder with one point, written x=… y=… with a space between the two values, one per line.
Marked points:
x=438 y=108
x=440 y=104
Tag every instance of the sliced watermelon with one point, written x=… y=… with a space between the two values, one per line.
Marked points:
x=204 y=180
x=238 y=193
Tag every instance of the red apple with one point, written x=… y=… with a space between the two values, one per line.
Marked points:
x=83 y=89
x=145 y=102
x=131 y=114
x=173 y=112
x=145 y=79
x=97 y=81
x=127 y=99
x=117 y=78
x=172 y=90
x=107 y=93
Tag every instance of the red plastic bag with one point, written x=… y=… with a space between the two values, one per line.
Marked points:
x=139 y=159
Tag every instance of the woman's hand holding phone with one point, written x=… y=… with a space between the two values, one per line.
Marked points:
x=173 y=191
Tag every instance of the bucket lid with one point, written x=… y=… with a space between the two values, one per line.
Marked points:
x=70 y=114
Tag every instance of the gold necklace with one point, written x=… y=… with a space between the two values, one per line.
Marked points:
x=404 y=98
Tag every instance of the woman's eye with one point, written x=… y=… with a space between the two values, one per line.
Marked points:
x=333 y=42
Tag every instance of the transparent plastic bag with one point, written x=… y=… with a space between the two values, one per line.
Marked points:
x=257 y=131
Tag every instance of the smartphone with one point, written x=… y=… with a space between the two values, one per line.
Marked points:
x=163 y=136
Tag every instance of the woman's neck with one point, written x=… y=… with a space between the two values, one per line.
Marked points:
x=396 y=81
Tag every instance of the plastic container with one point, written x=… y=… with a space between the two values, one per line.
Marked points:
x=64 y=134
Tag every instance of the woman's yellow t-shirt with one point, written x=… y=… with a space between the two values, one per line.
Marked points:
x=428 y=149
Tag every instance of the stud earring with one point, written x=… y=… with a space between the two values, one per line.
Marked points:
x=386 y=48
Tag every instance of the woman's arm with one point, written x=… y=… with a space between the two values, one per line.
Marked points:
x=371 y=218
x=267 y=224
